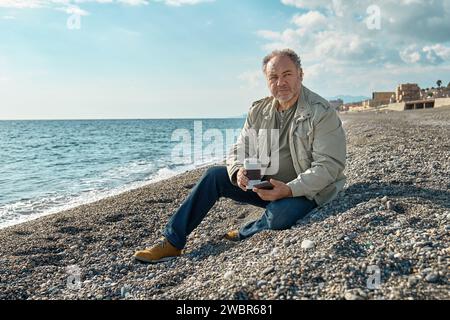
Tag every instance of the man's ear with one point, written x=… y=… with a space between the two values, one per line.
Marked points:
x=300 y=74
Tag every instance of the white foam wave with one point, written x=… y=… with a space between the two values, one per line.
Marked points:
x=23 y=211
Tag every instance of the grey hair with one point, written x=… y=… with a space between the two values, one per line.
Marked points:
x=291 y=54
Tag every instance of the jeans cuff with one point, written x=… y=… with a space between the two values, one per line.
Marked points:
x=173 y=239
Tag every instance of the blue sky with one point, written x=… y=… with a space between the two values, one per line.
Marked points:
x=194 y=58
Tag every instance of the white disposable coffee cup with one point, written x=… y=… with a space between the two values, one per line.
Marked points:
x=253 y=168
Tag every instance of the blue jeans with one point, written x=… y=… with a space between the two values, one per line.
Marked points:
x=214 y=184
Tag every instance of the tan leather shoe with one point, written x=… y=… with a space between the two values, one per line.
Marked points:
x=232 y=235
x=163 y=251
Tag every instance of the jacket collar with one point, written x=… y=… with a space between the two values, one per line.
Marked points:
x=304 y=109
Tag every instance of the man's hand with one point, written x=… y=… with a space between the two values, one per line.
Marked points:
x=280 y=191
x=242 y=179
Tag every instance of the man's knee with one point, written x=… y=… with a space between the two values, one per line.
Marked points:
x=283 y=214
x=217 y=172
x=278 y=217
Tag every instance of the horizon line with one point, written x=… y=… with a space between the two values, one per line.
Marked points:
x=121 y=119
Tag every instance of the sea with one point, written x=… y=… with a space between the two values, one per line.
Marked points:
x=47 y=166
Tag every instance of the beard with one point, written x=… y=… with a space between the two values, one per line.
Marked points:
x=285 y=96
x=289 y=94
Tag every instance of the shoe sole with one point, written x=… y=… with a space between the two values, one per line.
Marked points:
x=154 y=261
x=232 y=239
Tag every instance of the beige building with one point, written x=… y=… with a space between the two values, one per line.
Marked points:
x=379 y=99
x=407 y=92
x=383 y=96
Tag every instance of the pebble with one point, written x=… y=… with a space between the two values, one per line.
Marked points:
x=390 y=205
x=228 y=275
x=307 y=244
x=432 y=277
x=287 y=242
x=351 y=296
x=261 y=283
x=275 y=251
x=412 y=280
x=268 y=270
x=125 y=291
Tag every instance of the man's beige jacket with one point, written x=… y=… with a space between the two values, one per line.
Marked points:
x=317 y=144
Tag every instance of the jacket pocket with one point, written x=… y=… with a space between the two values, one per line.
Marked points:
x=303 y=141
x=303 y=148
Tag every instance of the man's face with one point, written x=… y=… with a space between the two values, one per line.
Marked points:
x=284 y=78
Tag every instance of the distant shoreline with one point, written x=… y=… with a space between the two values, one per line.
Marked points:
x=125 y=119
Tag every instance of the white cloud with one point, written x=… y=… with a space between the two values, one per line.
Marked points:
x=313 y=20
x=411 y=55
x=19 y=4
x=334 y=41
x=251 y=79
x=178 y=3
x=336 y=7
x=307 y=4
x=75 y=10
x=435 y=54
x=269 y=35
x=441 y=51
x=134 y=2
x=56 y=4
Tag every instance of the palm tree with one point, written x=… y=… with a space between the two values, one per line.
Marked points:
x=439 y=83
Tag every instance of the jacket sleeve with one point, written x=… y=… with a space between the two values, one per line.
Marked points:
x=234 y=162
x=329 y=153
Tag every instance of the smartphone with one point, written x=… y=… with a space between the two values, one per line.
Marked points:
x=265 y=185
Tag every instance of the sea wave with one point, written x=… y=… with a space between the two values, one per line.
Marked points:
x=31 y=209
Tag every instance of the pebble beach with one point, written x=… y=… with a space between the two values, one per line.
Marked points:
x=386 y=236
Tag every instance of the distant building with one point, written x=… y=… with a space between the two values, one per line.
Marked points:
x=379 y=99
x=407 y=92
x=407 y=96
x=367 y=103
x=435 y=93
x=352 y=105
